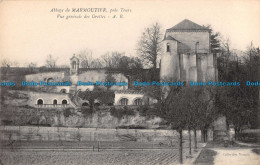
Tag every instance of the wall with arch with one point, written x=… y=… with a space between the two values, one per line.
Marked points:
x=56 y=76
x=130 y=96
x=47 y=98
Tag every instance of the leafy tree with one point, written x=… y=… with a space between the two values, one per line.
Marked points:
x=110 y=78
x=215 y=42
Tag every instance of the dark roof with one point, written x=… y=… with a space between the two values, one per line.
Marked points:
x=170 y=38
x=187 y=25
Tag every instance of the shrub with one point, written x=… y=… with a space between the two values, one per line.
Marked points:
x=67 y=112
x=120 y=113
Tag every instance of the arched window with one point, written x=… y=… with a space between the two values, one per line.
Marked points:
x=73 y=64
x=39 y=101
x=123 y=101
x=84 y=104
x=168 y=47
x=64 y=102
x=63 y=91
x=138 y=102
x=55 y=102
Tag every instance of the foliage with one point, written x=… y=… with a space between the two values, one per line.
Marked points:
x=239 y=105
x=121 y=112
x=105 y=97
x=147 y=111
x=110 y=78
x=86 y=111
x=214 y=40
x=50 y=61
x=149 y=47
x=67 y=112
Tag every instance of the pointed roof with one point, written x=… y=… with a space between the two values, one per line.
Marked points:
x=187 y=25
x=170 y=38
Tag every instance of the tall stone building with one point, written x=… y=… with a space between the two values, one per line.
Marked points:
x=186 y=54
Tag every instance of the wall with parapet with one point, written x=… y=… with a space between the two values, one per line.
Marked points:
x=56 y=76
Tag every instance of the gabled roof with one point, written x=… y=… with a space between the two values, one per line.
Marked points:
x=170 y=38
x=187 y=25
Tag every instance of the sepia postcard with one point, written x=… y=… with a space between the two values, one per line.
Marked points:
x=145 y=82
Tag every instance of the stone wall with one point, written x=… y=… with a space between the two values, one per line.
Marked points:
x=191 y=37
x=170 y=69
x=87 y=134
x=47 y=98
x=56 y=76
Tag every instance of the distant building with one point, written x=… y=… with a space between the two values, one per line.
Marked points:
x=186 y=56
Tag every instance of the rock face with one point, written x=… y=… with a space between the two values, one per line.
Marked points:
x=103 y=120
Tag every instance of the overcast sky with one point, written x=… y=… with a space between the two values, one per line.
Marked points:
x=29 y=31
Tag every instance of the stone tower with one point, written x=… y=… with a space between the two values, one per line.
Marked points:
x=186 y=54
x=74 y=71
x=74 y=65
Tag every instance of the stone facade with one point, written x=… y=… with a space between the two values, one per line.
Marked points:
x=186 y=54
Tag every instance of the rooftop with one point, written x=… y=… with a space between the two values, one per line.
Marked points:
x=187 y=25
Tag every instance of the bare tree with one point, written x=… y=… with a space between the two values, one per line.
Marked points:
x=6 y=63
x=50 y=61
x=111 y=60
x=149 y=47
x=86 y=58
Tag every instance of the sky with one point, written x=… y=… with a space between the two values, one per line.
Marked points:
x=29 y=31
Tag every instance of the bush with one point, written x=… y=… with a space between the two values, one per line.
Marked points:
x=86 y=111
x=7 y=122
x=122 y=112
x=67 y=112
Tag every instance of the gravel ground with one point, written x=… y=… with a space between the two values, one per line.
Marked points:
x=90 y=158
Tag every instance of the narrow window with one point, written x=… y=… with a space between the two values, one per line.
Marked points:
x=123 y=101
x=197 y=47
x=55 y=102
x=168 y=47
x=138 y=102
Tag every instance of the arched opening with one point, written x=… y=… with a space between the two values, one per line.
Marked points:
x=50 y=80
x=97 y=104
x=73 y=64
x=55 y=102
x=123 y=101
x=168 y=47
x=85 y=104
x=63 y=91
x=40 y=102
x=64 y=102
x=138 y=101
x=110 y=104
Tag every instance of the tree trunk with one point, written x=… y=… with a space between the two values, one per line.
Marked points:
x=195 y=138
x=189 y=142
x=204 y=135
x=180 y=149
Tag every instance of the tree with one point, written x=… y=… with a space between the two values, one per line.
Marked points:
x=8 y=63
x=149 y=46
x=111 y=60
x=50 y=61
x=215 y=46
x=110 y=78
x=86 y=59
